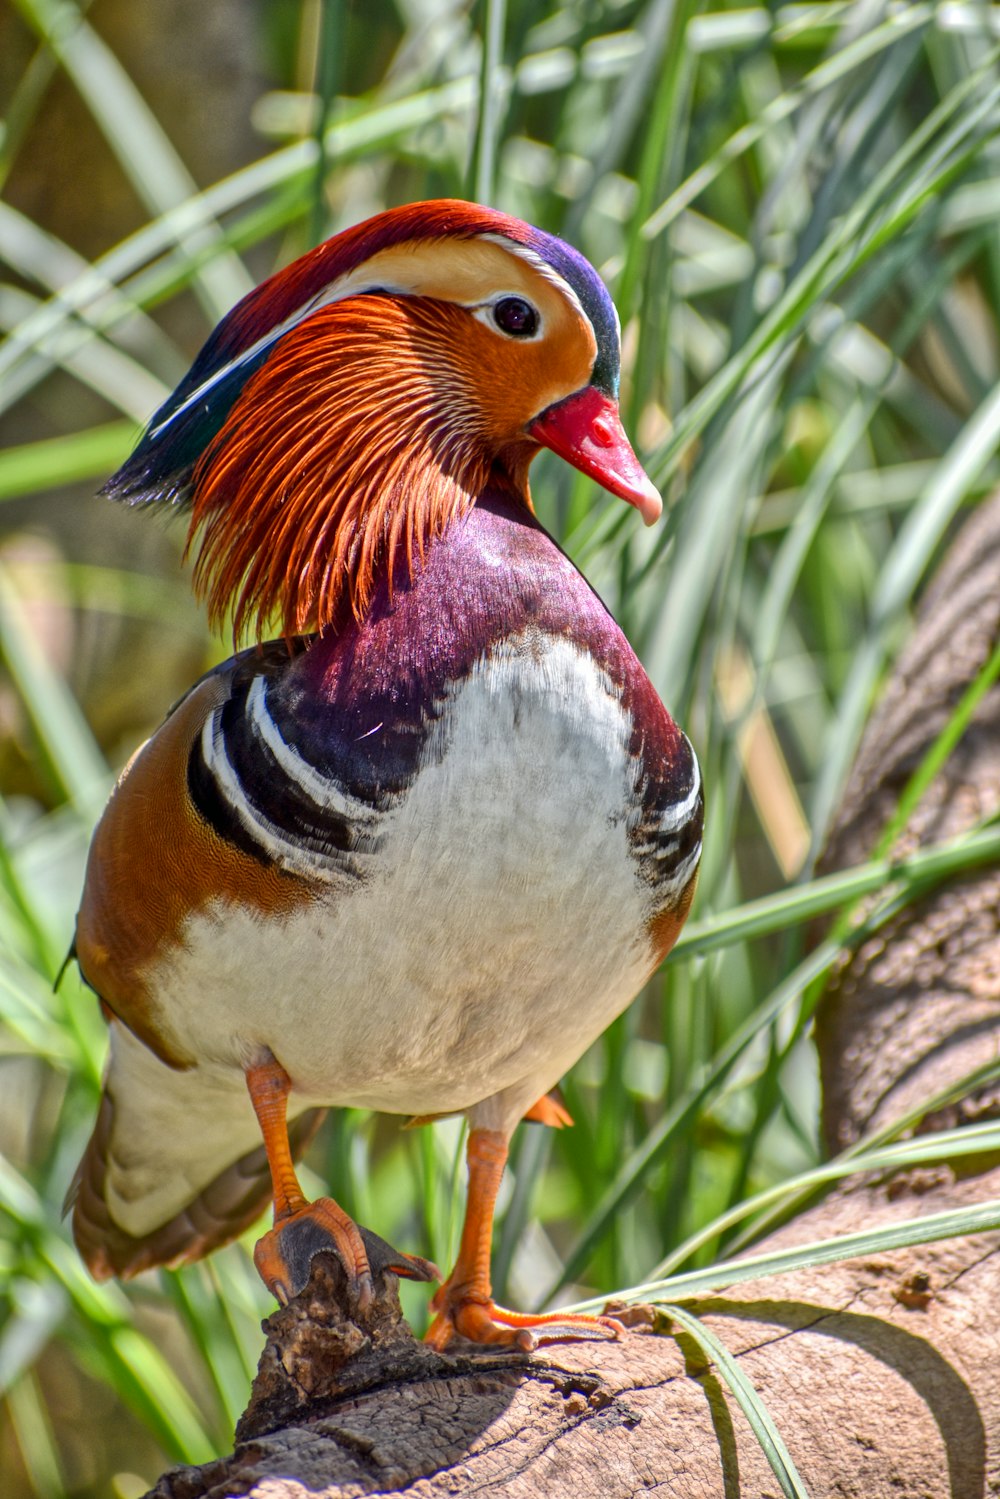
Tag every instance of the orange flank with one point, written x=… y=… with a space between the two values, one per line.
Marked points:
x=154 y=860
x=665 y=926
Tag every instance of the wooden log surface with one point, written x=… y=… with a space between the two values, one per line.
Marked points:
x=882 y=1373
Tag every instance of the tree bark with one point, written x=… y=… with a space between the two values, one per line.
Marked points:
x=882 y=1374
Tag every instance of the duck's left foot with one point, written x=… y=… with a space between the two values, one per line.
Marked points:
x=463 y=1316
x=284 y=1255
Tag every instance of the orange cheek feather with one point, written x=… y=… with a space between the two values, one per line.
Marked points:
x=511 y=382
x=350 y=441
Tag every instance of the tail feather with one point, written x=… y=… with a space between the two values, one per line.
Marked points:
x=219 y=1213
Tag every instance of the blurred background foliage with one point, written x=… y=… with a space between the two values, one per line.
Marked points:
x=796 y=207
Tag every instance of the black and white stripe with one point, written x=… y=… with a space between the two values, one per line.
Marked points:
x=313 y=785
x=666 y=840
x=262 y=794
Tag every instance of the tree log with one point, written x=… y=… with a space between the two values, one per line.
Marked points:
x=882 y=1374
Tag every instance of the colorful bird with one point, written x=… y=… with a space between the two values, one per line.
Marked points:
x=417 y=853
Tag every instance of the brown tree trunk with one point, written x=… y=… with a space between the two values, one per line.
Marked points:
x=883 y=1374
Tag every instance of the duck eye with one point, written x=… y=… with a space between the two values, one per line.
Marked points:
x=515 y=316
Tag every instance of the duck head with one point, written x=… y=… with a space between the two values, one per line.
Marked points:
x=348 y=409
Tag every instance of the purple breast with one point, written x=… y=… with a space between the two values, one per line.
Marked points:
x=359 y=704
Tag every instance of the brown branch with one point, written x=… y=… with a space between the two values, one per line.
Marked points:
x=919 y=1005
x=882 y=1374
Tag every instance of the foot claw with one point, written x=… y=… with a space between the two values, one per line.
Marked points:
x=285 y=1254
x=364 y=1291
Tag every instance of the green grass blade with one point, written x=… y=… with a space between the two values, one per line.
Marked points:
x=42 y=259
x=874 y=217
x=936 y=757
x=327 y=72
x=132 y=131
x=284 y=170
x=953 y=1223
x=91 y=454
x=962 y=1088
x=489 y=118
x=945 y=1145
x=743 y=1392
x=800 y=903
x=904 y=566
x=109 y=372
x=683 y=1112
x=131 y=1361
x=35 y=1438
x=64 y=740
x=827 y=73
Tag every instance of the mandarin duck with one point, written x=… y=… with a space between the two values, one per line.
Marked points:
x=416 y=853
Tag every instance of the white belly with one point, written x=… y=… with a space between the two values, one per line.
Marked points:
x=501 y=931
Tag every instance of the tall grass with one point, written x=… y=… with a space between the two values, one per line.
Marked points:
x=796 y=209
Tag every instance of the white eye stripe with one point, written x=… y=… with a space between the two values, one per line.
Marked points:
x=366 y=278
x=544 y=270
x=501 y=296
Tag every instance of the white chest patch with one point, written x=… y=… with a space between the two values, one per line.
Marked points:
x=500 y=931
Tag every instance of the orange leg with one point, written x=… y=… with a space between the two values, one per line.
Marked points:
x=283 y=1257
x=464 y=1304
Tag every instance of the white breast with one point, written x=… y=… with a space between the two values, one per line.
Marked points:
x=502 y=931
